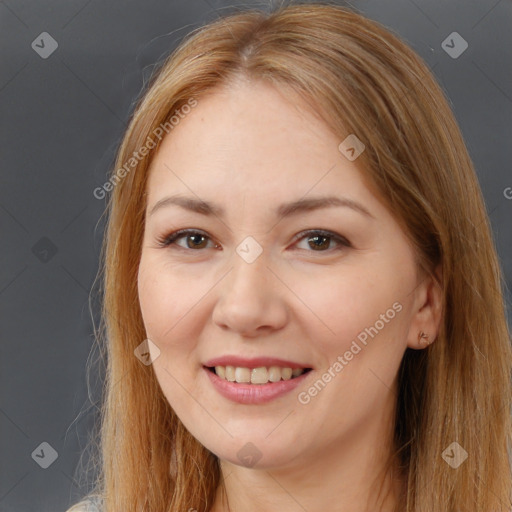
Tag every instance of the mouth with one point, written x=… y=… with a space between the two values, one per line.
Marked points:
x=258 y=375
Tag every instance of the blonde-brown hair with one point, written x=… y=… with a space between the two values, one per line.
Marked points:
x=361 y=79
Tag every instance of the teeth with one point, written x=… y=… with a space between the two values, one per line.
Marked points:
x=242 y=374
x=274 y=374
x=220 y=371
x=230 y=373
x=261 y=375
x=286 y=373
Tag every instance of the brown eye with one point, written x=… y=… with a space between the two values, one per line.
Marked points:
x=197 y=240
x=320 y=240
x=194 y=239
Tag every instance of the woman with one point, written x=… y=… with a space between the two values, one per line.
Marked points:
x=303 y=302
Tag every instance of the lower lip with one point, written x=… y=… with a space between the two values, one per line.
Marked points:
x=254 y=393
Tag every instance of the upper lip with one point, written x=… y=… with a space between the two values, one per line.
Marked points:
x=253 y=362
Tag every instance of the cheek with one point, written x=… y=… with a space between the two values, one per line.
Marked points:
x=343 y=302
x=167 y=301
x=360 y=311
x=359 y=351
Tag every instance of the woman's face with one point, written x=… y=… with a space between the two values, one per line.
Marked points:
x=243 y=291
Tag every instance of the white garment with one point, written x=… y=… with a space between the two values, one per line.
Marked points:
x=87 y=505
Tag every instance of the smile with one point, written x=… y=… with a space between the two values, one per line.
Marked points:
x=263 y=390
x=260 y=375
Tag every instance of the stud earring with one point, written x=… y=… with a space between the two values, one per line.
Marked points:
x=422 y=336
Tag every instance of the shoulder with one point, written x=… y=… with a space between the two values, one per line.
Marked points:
x=86 y=505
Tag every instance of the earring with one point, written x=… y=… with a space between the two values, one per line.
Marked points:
x=422 y=336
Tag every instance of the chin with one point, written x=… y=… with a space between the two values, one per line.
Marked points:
x=258 y=453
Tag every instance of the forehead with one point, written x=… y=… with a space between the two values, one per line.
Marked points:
x=250 y=137
x=250 y=119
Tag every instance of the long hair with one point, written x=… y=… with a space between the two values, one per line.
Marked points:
x=360 y=79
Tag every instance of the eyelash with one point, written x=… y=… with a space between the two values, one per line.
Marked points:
x=170 y=239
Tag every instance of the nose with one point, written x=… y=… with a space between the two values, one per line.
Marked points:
x=251 y=299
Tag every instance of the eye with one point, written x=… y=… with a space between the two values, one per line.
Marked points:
x=198 y=238
x=319 y=237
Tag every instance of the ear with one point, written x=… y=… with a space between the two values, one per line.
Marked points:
x=427 y=312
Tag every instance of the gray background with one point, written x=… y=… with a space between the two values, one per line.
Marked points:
x=62 y=120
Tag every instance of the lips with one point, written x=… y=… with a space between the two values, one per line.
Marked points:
x=254 y=380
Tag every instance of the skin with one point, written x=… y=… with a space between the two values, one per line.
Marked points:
x=248 y=148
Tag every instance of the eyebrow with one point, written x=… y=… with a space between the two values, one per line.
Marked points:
x=284 y=210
